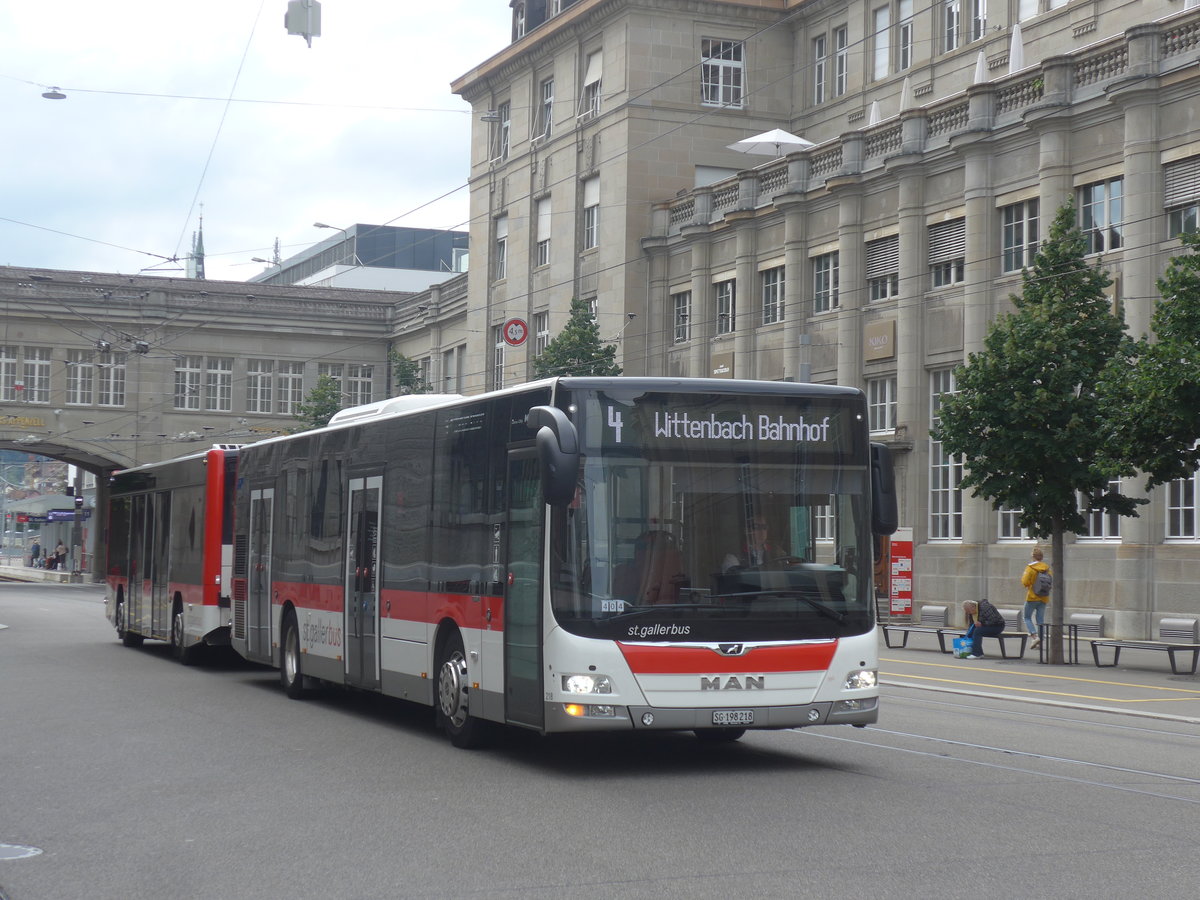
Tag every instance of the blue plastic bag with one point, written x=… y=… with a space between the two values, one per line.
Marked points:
x=962 y=647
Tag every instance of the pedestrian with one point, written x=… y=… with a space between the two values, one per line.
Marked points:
x=983 y=620
x=1035 y=603
x=35 y=553
x=60 y=556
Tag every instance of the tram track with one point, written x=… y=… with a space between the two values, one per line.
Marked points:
x=932 y=746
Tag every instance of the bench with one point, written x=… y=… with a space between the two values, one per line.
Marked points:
x=943 y=632
x=906 y=630
x=1171 y=649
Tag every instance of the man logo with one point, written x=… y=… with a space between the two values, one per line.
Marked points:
x=733 y=683
x=731 y=649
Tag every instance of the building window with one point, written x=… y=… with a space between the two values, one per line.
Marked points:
x=820 y=69
x=881 y=57
x=1100 y=215
x=726 y=303
x=110 y=379
x=11 y=387
x=905 y=36
x=681 y=305
x=948 y=253
x=1181 y=196
x=425 y=373
x=452 y=369
x=503 y=130
x=1181 y=508
x=1018 y=235
x=881 y=404
x=841 y=62
x=37 y=374
x=541 y=332
x=545 y=118
x=722 y=73
x=289 y=383
x=1010 y=525
x=189 y=370
x=593 y=76
x=945 y=470
x=591 y=213
x=81 y=377
x=825 y=282
x=772 y=295
x=260 y=375
x=1100 y=525
x=500 y=250
x=218 y=384
x=1027 y=9
x=518 y=21
x=824 y=522
x=883 y=268
x=978 y=19
x=951 y=15
x=497 y=357
x=542 y=247
x=360 y=382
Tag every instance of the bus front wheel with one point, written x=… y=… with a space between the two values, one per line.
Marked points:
x=453 y=696
x=290 y=675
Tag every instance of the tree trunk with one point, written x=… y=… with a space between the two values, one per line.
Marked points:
x=1057 y=594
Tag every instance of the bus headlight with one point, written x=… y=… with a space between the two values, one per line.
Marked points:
x=587 y=684
x=862 y=678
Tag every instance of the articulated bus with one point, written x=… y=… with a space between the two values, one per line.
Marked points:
x=573 y=555
x=170 y=552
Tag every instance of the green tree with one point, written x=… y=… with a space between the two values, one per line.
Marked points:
x=321 y=403
x=578 y=350
x=407 y=375
x=1154 y=403
x=1028 y=418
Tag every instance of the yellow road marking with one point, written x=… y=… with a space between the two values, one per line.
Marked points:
x=1187 y=693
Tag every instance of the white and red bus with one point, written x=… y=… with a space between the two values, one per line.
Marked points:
x=572 y=555
x=170 y=551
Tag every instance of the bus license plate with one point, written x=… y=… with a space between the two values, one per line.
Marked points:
x=733 y=717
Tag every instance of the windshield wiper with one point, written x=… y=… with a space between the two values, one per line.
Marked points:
x=823 y=608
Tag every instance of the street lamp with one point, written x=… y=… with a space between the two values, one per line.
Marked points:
x=353 y=244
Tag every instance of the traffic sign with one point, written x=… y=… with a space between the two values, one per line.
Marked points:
x=515 y=332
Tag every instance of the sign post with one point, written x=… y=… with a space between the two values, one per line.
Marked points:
x=900 y=592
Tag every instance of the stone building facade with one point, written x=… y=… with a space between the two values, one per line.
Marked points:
x=947 y=134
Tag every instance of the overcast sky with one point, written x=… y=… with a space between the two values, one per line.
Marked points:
x=362 y=127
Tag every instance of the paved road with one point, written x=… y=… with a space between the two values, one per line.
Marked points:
x=139 y=778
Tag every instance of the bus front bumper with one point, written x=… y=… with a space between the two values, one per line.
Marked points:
x=570 y=717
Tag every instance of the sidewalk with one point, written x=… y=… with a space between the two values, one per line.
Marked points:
x=1142 y=685
x=28 y=573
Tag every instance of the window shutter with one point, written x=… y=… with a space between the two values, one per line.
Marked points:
x=1181 y=182
x=543 y=219
x=883 y=257
x=947 y=241
x=591 y=192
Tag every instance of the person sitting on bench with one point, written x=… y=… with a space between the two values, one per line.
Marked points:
x=984 y=620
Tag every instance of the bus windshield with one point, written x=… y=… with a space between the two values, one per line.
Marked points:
x=716 y=519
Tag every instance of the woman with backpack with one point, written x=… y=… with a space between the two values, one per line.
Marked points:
x=1037 y=581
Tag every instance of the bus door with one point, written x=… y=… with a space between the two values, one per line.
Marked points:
x=523 y=691
x=258 y=593
x=137 y=563
x=361 y=582
x=159 y=543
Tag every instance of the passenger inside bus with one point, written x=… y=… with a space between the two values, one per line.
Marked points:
x=654 y=575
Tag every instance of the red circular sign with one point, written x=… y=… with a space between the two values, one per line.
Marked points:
x=515 y=332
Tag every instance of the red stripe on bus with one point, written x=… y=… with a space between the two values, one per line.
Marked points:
x=214 y=513
x=468 y=610
x=649 y=660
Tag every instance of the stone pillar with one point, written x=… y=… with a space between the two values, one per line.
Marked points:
x=852 y=283
x=701 y=322
x=912 y=410
x=747 y=301
x=797 y=362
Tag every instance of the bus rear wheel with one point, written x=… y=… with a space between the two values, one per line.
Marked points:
x=128 y=638
x=453 y=696
x=290 y=675
x=719 y=735
x=185 y=654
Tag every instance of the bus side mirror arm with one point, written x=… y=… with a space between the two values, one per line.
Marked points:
x=885 y=517
x=558 y=451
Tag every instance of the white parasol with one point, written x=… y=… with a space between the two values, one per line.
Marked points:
x=775 y=142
